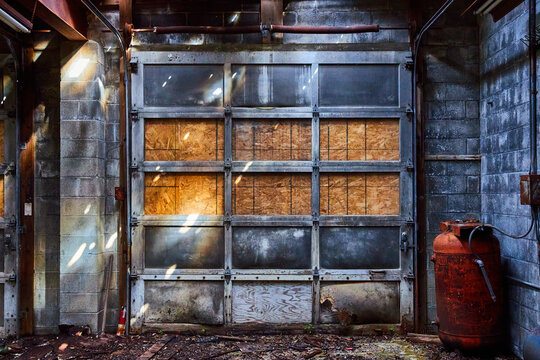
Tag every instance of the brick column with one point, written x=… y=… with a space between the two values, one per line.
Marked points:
x=82 y=184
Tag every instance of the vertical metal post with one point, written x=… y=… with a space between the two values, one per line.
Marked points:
x=227 y=306
x=315 y=206
x=532 y=85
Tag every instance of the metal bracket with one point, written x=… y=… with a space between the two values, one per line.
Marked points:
x=316 y=274
x=316 y=164
x=134 y=166
x=10 y=169
x=228 y=275
x=133 y=277
x=227 y=220
x=133 y=222
x=134 y=63
x=315 y=220
x=12 y=278
x=410 y=276
x=134 y=115
x=228 y=110
x=409 y=165
x=409 y=65
x=316 y=111
x=228 y=164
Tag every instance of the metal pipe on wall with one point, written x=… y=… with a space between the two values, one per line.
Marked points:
x=94 y=10
x=532 y=85
x=251 y=29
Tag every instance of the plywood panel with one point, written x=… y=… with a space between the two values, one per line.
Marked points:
x=195 y=302
x=359 y=194
x=183 y=194
x=272 y=140
x=359 y=140
x=271 y=303
x=382 y=140
x=264 y=194
x=184 y=139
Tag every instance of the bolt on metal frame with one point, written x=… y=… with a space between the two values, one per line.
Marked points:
x=404 y=275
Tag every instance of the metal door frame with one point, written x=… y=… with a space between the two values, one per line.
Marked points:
x=404 y=275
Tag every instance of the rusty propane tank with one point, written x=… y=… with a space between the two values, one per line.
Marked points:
x=468 y=287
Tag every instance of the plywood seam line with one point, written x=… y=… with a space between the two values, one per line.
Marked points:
x=103 y=19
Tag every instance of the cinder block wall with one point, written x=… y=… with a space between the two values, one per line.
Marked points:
x=452 y=125
x=504 y=110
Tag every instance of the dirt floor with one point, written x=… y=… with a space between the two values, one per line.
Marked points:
x=198 y=347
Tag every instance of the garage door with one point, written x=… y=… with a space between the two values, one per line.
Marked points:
x=271 y=187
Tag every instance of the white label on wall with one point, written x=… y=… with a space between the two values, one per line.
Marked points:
x=27 y=209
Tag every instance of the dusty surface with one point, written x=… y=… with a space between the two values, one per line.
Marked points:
x=164 y=346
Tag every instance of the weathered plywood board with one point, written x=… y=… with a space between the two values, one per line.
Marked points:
x=359 y=140
x=360 y=303
x=271 y=303
x=272 y=140
x=195 y=302
x=275 y=194
x=183 y=194
x=184 y=139
x=359 y=194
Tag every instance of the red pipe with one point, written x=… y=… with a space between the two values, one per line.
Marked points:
x=259 y=28
x=354 y=29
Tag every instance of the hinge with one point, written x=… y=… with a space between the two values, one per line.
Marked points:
x=228 y=275
x=227 y=220
x=133 y=222
x=134 y=63
x=409 y=64
x=134 y=166
x=409 y=165
x=410 y=276
x=12 y=278
x=228 y=110
x=134 y=115
x=316 y=274
x=409 y=111
x=10 y=169
x=133 y=277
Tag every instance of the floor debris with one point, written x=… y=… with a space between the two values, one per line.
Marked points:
x=159 y=346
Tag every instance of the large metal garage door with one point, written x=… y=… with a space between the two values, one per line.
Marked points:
x=271 y=187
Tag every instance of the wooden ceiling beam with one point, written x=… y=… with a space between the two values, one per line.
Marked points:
x=68 y=17
x=272 y=14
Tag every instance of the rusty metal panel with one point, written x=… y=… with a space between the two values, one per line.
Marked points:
x=183 y=85
x=195 y=302
x=271 y=139
x=271 y=85
x=271 y=303
x=271 y=248
x=184 y=248
x=359 y=248
x=529 y=186
x=360 y=303
x=359 y=85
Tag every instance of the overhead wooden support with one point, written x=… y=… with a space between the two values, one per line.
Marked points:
x=272 y=14
x=126 y=18
x=68 y=17
x=15 y=14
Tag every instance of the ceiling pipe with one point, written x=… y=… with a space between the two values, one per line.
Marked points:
x=13 y=23
x=251 y=29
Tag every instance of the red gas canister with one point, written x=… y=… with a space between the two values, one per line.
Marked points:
x=468 y=286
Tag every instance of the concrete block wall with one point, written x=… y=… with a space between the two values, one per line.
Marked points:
x=47 y=183
x=82 y=184
x=504 y=110
x=452 y=126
